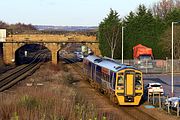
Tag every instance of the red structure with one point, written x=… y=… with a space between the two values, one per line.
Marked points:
x=140 y=50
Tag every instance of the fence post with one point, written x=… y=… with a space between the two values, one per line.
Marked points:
x=178 y=109
x=148 y=96
x=153 y=97
x=146 y=66
x=159 y=100
x=168 y=106
x=166 y=64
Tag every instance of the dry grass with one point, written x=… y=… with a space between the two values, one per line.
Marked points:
x=55 y=99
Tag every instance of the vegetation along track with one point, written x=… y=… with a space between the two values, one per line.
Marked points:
x=13 y=76
x=133 y=112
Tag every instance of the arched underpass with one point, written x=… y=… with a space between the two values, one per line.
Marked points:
x=25 y=54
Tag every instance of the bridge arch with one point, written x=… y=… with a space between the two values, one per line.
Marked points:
x=10 y=51
x=25 y=53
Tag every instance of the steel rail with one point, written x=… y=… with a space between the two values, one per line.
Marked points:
x=17 y=75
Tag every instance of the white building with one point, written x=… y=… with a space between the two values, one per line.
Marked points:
x=2 y=35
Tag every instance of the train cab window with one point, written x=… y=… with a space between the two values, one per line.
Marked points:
x=138 y=81
x=120 y=81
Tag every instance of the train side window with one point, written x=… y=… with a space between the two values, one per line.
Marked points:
x=113 y=82
x=108 y=77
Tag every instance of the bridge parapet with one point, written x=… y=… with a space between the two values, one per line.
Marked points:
x=46 y=37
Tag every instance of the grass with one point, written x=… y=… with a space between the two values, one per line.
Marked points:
x=55 y=100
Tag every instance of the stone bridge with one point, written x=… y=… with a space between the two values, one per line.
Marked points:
x=53 y=42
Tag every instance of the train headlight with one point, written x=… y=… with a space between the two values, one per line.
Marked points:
x=138 y=88
x=120 y=87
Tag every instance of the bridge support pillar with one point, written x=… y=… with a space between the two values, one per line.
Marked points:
x=9 y=50
x=95 y=48
x=54 y=48
x=8 y=53
x=54 y=57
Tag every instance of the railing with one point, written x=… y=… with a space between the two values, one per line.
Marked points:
x=154 y=66
x=161 y=101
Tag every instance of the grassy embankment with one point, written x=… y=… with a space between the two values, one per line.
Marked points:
x=51 y=97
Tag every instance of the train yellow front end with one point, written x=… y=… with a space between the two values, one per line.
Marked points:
x=129 y=87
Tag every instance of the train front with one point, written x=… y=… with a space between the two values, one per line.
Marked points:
x=129 y=87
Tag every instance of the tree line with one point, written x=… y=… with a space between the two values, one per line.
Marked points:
x=16 y=28
x=147 y=26
x=21 y=28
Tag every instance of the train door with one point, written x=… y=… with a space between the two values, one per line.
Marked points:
x=113 y=80
x=129 y=82
x=93 y=71
x=89 y=71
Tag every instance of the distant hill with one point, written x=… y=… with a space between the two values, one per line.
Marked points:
x=66 y=28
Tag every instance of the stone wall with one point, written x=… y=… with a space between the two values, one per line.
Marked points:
x=41 y=37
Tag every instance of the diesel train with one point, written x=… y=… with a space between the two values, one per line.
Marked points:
x=123 y=84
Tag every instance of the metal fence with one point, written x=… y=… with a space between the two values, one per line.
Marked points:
x=154 y=66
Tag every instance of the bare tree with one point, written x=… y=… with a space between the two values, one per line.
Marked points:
x=112 y=37
x=166 y=42
x=110 y=34
x=163 y=7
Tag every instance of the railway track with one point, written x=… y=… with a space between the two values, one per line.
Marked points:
x=136 y=113
x=133 y=112
x=13 y=76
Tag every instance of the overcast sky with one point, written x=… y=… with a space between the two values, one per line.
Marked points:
x=65 y=12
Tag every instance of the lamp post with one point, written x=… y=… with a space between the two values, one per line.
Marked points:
x=172 y=61
x=122 y=45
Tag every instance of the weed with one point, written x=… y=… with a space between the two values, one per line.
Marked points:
x=15 y=116
x=29 y=102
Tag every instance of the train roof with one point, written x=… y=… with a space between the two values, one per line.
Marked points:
x=107 y=63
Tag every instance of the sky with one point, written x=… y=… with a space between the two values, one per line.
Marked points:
x=65 y=12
